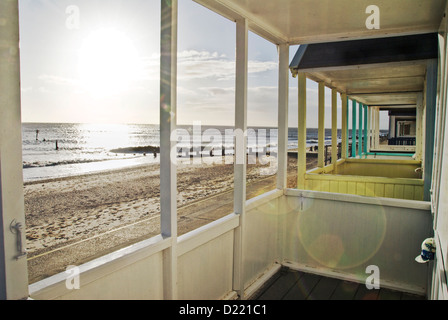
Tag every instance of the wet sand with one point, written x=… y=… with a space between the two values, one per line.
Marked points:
x=73 y=220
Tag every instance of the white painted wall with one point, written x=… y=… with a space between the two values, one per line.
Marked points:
x=261 y=236
x=338 y=234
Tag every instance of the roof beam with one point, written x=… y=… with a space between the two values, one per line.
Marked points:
x=256 y=24
x=362 y=35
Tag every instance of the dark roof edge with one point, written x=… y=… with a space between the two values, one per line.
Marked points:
x=367 y=51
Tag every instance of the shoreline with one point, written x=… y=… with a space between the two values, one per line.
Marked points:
x=64 y=211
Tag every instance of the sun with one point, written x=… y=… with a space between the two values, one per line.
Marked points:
x=108 y=63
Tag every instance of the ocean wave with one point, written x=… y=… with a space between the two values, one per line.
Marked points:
x=37 y=164
x=144 y=149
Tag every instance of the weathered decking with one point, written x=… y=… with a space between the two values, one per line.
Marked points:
x=295 y=285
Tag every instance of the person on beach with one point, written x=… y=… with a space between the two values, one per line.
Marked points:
x=37 y=134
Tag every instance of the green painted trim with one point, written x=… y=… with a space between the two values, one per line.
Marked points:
x=346 y=140
x=361 y=142
x=365 y=128
x=353 y=128
x=364 y=179
x=390 y=154
x=385 y=161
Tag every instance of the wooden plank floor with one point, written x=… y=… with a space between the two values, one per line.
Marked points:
x=295 y=285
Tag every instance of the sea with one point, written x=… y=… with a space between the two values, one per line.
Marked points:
x=55 y=150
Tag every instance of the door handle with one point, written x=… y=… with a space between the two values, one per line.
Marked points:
x=16 y=228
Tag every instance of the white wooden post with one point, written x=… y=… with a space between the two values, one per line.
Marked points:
x=242 y=34
x=419 y=130
x=334 y=128
x=168 y=140
x=377 y=127
x=301 y=153
x=344 y=136
x=374 y=145
x=369 y=134
x=321 y=126
x=13 y=264
x=283 y=97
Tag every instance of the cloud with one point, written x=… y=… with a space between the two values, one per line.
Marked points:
x=26 y=89
x=57 y=80
x=217 y=91
x=194 y=64
x=203 y=64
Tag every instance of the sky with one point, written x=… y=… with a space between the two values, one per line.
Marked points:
x=97 y=61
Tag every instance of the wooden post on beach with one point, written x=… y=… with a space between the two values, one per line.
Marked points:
x=13 y=263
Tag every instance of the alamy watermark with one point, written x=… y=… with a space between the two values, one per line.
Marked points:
x=373 y=20
x=73 y=21
x=226 y=146
x=72 y=281
x=373 y=281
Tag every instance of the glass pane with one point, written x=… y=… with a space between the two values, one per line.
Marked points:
x=90 y=101
x=206 y=116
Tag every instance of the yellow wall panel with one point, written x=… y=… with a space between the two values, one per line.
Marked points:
x=308 y=184
x=398 y=191
x=325 y=186
x=379 y=190
x=408 y=192
x=351 y=187
x=370 y=189
x=389 y=190
x=361 y=188
x=343 y=187
x=418 y=193
x=334 y=186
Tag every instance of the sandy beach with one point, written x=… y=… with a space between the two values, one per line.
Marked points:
x=71 y=220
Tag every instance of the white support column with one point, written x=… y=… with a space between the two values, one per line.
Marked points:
x=283 y=97
x=344 y=135
x=369 y=134
x=301 y=145
x=334 y=128
x=377 y=128
x=419 y=129
x=242 y=34
x=321 y=127
x=168 y=141
x=13 y=265
x=373 y=129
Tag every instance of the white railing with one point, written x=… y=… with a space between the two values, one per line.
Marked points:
x=281 y=228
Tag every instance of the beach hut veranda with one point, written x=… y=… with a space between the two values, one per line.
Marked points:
x=339 y=231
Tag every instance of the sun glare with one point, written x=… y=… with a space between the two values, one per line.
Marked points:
x=108 y=63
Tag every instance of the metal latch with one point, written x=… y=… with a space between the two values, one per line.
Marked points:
x=16 y=228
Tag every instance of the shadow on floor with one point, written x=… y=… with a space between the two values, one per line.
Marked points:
x=295 y=285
